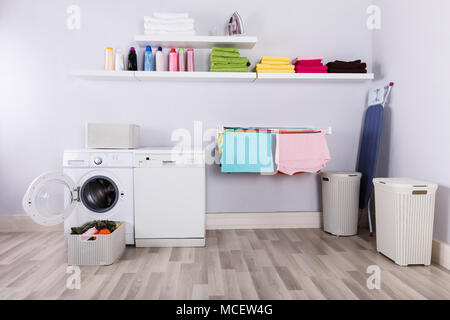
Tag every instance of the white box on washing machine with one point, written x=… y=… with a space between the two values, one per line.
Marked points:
x=112 y=136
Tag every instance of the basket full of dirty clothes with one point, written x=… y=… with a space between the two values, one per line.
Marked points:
x=96 y=243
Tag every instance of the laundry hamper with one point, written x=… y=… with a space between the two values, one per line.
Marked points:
x=104 y=250
x=340 y=197
x=404 y=211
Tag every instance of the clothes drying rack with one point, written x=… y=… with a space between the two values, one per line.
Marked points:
x=268 y=129
x=327 y=131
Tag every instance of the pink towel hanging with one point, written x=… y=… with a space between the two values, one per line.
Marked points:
x=301 y=152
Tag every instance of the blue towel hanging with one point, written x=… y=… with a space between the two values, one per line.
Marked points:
x=249 y=152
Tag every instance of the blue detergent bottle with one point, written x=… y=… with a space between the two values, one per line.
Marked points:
x=148 y=59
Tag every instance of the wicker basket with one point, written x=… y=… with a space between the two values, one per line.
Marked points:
x=104 y=250
x=405 y=218
x=340 y=196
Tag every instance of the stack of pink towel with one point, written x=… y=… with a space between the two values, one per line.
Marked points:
x=309 y=65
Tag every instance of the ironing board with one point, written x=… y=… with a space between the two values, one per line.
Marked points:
x=370 y=144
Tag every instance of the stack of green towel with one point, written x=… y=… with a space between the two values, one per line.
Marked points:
x=228 y=60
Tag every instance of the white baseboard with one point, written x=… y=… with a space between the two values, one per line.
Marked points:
x=214 y=221
x=441 y=254
x=170 y=243
x=263 y=220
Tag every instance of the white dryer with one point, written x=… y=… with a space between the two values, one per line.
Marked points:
x=95 y=185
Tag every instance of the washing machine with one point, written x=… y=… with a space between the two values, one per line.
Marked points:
x=94 y=185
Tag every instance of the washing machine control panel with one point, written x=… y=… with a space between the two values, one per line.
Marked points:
x=96 y=158
x=111 y=160
x=98 y=161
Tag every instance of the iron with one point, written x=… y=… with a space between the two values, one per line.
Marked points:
x=235 y=26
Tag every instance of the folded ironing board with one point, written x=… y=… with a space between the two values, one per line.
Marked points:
x=368 y=154
x=370 y=144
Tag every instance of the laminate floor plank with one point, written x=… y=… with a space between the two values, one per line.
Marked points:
x=262 y=264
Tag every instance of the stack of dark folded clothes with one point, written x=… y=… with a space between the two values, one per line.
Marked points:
x=347 y=67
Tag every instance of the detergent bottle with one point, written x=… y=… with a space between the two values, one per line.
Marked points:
x=159 y=60
x=132 y=60
x=173 y=60
x=118 y=61
x=148 y=59
x=181 y=60
x=190 y=60
x=109 y=58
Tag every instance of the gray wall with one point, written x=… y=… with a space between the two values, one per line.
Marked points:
x=412 y=49
x=43 y=108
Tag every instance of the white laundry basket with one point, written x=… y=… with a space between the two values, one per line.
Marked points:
x=104 y=250
x=404 y=211
x=340 y=197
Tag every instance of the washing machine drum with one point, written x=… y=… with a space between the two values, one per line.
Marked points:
x=99 y=194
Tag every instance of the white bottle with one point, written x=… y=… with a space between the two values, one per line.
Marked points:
x=109 y=58
x=159 y=60
x=119 y=61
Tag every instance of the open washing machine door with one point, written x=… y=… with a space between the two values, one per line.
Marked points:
x=51 y=198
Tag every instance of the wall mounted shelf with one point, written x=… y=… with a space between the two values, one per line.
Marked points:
x=163 y=76
x=196 y=76
x=314 y=76
x=104 y=75
x=198 y=42
x=216 y=76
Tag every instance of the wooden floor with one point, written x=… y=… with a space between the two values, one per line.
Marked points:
x=235 y=264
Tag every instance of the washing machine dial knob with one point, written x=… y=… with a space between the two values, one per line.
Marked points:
x=98 y=161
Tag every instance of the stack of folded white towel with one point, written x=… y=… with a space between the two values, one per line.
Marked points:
x=169 y=23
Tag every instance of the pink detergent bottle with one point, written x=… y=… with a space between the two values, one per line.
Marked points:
x=173 y=60
x=190 y=60
x=181 y=60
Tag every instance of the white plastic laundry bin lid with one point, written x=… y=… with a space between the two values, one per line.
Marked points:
x=405 y=184
x=340 y=174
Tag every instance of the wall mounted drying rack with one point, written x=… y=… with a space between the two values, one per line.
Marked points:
x=267 y=130
x=221 y=130
x=327 y=131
